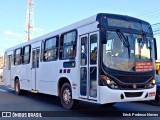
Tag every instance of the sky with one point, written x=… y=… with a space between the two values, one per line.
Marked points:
x=50 y=15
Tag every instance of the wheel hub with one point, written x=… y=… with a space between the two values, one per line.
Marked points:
x=67 y=96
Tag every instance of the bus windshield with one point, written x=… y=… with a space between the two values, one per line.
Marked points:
x=138 y=56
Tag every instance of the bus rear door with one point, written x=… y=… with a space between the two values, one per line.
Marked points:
x=35 y=64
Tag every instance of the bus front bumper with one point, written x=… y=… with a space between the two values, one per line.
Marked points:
x=108 y=95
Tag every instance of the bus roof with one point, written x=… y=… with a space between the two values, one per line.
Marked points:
x=73 y=26
x=76 y=25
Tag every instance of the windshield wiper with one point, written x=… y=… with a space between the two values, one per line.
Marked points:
x=124 y=40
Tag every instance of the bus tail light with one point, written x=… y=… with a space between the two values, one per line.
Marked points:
x=109 y=82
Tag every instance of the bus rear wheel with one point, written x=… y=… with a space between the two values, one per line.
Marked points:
x=66 y=97
x=18 y=91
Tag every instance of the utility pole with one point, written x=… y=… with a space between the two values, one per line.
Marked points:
x=29 y=27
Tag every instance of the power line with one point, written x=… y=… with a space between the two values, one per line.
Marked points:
x=151 y=15
x=150 y=12
x=156 y=24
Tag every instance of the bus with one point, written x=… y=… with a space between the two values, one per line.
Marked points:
x=106 y=58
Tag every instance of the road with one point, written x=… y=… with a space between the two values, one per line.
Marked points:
x=41 y=102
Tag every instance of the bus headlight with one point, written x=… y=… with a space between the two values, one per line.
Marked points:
x=110 y=83
x=151 y=84
x=153 y=81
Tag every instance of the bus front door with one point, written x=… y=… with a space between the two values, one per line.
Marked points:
x=89 y=66
x=35 y=66
x=8 y=71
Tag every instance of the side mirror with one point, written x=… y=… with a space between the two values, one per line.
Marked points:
x=155 y=48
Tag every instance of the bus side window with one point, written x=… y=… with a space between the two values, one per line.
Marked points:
x=18 y=56
x=68 y=45
x=26 y=54
x=51 y=49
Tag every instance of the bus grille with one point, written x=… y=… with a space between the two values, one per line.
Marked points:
x=133 y=79
x=133 y=94
x=130 y=87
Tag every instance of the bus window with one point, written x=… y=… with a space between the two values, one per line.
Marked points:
x=68 y=45
x=33 y=59
x=51 y=49
x=84 y=51
x=83 y=83
x=38 y=53
x=42 y=51
x=93 y=82
x=17 y=57
x=9 y=62
x=5 y=59
x=26 y=55
x=93 y=49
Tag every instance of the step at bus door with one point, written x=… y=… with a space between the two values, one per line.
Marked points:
x=35 y=66
x=89 y=66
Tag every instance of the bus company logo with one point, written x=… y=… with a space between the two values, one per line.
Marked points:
x=134 y=86
x=6 y=114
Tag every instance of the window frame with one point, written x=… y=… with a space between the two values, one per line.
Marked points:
x=23 y=49
x=61 y=41
x=19 y=56
x=44 y=45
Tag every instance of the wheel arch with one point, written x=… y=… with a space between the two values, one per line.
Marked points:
x=61 y=81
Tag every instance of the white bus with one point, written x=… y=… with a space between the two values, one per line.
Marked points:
x=105 y=58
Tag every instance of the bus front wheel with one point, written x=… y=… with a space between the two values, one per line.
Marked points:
x=66 y=97
x=157 y=100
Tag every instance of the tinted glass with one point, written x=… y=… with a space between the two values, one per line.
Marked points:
x=93 y=49
x=84 y=51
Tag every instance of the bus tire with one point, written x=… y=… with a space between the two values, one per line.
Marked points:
x=157 y=100
x=18 y=91
x=66 y=97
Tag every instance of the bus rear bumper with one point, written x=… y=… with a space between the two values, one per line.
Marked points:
x=108 y=95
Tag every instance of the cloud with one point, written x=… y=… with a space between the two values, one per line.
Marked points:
x=10 y=33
